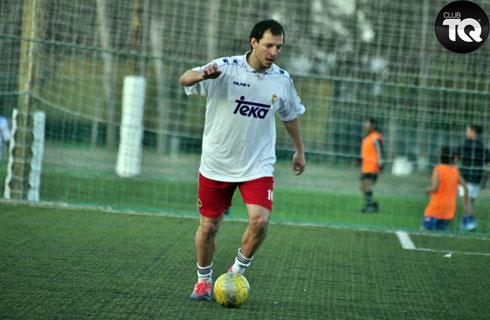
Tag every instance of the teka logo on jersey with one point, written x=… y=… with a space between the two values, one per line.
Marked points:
x=251 y=109
x=461 y=26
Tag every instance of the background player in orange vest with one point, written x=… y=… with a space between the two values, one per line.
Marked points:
x=444 y=190
x=372 y=163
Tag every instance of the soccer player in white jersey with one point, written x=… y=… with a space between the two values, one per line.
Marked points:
x=238 y=150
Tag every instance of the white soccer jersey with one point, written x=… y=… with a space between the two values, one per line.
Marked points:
x=239 y=132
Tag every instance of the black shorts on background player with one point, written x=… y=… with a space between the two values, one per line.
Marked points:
x=373 y=177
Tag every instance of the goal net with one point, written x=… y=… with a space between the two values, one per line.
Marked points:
x=349 y=59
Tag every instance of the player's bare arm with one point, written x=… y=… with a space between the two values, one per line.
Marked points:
x=434 y=184
x=379 y=151
x=191 y=77
x=299 y=162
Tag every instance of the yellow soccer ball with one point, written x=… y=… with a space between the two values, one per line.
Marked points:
x=231 y=290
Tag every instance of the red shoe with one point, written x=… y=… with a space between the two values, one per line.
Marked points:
x=202 y=290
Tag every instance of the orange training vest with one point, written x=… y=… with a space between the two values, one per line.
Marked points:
x=369 y=154
x=442 y=204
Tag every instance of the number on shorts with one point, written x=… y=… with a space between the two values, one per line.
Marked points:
x=270 y=195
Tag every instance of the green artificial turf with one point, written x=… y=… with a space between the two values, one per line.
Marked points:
x=79 y=264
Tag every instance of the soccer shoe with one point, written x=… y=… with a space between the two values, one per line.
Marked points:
x=370 y=209
x=428 y=224
x=471 y=223
x=202 y=290
x=464 y=223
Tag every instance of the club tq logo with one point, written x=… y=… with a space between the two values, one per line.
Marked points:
x=462 y=26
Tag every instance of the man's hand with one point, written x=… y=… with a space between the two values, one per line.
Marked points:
x=211 y=71
x=298 y=163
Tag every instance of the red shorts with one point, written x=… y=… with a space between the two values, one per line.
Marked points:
x=215 y=196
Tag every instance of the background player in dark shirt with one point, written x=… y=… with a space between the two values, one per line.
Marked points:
x=473 y=159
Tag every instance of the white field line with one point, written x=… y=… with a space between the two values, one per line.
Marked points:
x=405 y=240
x=108 y=209
x=466 y=253
x=407 y=244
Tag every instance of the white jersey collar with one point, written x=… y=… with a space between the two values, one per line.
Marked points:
x=251 y=69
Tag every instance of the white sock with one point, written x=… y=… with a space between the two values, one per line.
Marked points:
x=241 y=263
x=205 y=273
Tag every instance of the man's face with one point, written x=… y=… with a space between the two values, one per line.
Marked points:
x=367 y=126
x=470 y=133
x=267 y=49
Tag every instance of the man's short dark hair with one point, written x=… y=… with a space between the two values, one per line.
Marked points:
x=267 y=25
x=446 y=155
x=372 y=121
x=477 y=129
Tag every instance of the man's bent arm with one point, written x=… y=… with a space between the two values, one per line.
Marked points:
x=191 y=77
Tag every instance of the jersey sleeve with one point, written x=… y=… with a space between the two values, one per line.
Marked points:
x=203 y=87
x=291 y=107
